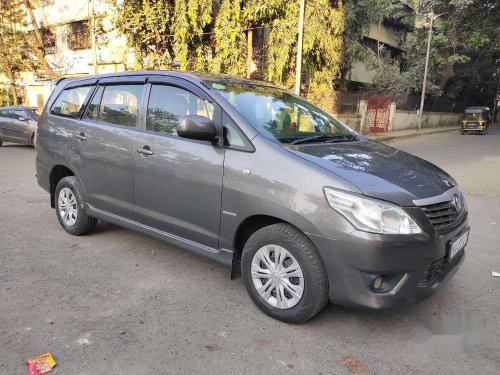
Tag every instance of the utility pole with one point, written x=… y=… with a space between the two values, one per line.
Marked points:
x=422 y=99
x=94 y=43
x=424 y=85
x=298 y=72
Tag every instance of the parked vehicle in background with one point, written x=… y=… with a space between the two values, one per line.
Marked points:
x=476 y=119
x=256 y=178
x=18 y=125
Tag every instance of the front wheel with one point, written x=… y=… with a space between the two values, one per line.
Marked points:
x=284 y=274
x=70 y=207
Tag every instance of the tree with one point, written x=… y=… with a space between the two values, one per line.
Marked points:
x=359 y=15
x=14 y=47
x=37 y=43
x=166 y=34
x=230 y=39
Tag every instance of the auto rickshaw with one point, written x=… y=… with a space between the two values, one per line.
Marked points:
x=476 y=119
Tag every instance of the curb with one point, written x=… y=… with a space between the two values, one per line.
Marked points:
x=397 y=137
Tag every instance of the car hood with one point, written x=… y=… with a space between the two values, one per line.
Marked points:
x=378 y=170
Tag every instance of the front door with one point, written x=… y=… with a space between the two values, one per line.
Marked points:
x=20 y=125
x=177 y=182
x=103 y=147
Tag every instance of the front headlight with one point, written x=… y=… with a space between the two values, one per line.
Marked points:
x=371 y=215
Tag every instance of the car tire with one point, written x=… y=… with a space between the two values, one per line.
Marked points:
x=1 y=143
x=70 y=207
x=293 y=248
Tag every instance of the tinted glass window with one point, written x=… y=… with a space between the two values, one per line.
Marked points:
x=4 y=113
x=167 y=103
x=118 y=105
x=70 y=101
x=92 y=112
x=232 y=136
x=278 y=114
x=20 y=114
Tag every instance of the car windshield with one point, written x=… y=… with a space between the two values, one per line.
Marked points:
x=278 y=114
x=32 y=112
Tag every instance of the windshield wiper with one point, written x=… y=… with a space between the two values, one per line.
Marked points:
x=328 y=138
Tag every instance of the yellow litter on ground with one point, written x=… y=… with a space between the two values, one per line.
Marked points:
x=42 y=364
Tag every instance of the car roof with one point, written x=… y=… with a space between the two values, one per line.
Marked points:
x=196 y=77
x=16 y=107
x=476 y=109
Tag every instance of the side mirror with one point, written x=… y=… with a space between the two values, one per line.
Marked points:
x=197 y=127
x=22 y=118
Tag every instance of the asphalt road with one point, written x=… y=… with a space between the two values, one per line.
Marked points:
x=118 y=302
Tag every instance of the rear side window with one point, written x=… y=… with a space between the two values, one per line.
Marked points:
x=168 y=103
x=116 y=105
x=69 y=103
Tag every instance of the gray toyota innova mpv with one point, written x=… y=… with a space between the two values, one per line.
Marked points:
x=306 y=210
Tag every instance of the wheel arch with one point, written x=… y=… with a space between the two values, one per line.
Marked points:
x=57 y=173
x=246 y=228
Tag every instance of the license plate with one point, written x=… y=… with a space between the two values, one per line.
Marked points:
x=458 y=244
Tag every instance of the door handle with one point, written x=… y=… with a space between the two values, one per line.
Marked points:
x=81 y=136
x=145 y=151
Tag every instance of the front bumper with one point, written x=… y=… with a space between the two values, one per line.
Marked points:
x=416 y=264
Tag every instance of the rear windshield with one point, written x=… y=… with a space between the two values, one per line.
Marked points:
x=280 y=115
x=475 y=116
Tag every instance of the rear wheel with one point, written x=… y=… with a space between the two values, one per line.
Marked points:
x=1 y=143
x=462 y=132
x=283 y=273
x=70 y=207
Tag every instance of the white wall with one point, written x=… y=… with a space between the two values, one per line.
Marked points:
x=404 y=120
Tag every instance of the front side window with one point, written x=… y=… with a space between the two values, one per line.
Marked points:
x=232 y=137
x=19 y=114
x=280 y=115
x=168 y=103
x=70 y=101
x=115 y=105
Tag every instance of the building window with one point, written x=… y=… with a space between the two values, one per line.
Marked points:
x=49 y=41
x=78 y=35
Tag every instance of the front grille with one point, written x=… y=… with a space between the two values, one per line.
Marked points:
x=437 y=268
x=444 y=215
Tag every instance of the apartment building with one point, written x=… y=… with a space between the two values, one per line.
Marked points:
x=79 y=40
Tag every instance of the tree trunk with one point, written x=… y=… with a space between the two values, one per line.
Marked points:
x=447 y=73
x=378 y=38
x=249 y=50
x=39 y=43
x=13 y=89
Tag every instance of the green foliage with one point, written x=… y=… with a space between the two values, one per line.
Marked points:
x=359 y=15
x=15 y=48
x=466 y=49
x=230 y=39
x=166 y=34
